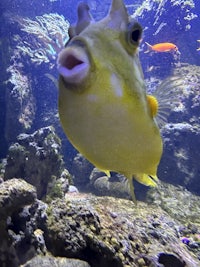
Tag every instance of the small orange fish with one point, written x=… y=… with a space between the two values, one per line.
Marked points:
x=161 y=47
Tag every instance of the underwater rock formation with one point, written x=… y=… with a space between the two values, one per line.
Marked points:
x=116 y=185
x=179 y=203
x=44 y=261
x=113 y=232
x=180 y=161
x=81 y=169
x=36 y=158
x=15 y=194
x=181 y=136
x=99 y=231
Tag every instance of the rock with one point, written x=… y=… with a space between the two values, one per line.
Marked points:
x=170 y=260
x=104 y=186
x=179 y=203
x=81 y=169
x=84 y=227
x=77 y=216
x=180 y=161
x=15 y=194
x=35 y=158
x=22 y=236
x=73 y=189
x=48 y=260
x=58 y=187
x=18 y=242
x=103 y=231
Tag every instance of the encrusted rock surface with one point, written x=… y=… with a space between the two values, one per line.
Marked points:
x=101 y=231
x=36 y=158
x=47 y=261
x=15 y=194
x=180 y=161
x=178 y=202
x=113 y=232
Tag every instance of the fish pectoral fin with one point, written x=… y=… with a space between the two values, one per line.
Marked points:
x=153 y=105
x=149 y=180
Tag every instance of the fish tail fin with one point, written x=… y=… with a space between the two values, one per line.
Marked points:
x=130 y=187
x=149 y=48
x=131 y=190
x=149 y=180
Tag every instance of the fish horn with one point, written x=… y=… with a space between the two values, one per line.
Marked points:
x=118 y=15
x=84 y=17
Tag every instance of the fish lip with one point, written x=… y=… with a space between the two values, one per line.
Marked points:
x=73 y=64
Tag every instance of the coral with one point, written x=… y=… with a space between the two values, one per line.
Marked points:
x=159 y=7
x=46 y=36
x=39 y=42
x=19 y=96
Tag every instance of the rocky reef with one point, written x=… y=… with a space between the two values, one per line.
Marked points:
x=179 y=163
x=84 y=230
x=36 y=158
x=169 y=21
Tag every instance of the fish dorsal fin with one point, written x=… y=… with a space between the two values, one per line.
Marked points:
x=118 y=16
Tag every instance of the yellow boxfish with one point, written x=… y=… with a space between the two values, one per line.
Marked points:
x=103 y=105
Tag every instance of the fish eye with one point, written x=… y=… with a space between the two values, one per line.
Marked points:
x=134 y=33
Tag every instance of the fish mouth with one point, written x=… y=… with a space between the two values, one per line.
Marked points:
x=73 y=64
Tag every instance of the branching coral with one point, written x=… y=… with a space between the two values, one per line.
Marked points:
x=38 y=42
x=21 y=95
x=46 y=35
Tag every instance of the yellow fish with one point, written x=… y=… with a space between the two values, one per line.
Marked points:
x=103 y=106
